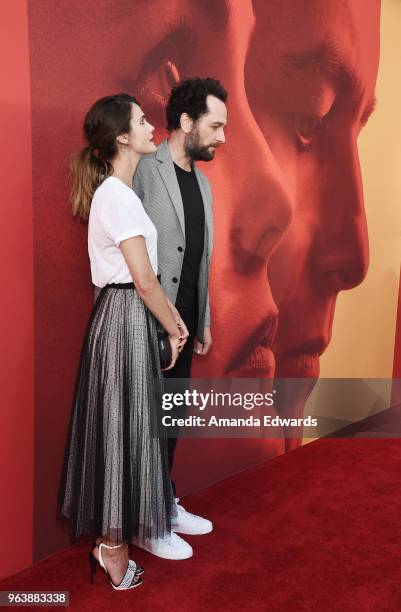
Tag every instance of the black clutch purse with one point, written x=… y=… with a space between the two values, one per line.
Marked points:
x=164 y=346
x=163 y=343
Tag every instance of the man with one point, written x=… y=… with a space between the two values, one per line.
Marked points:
x=177 y=197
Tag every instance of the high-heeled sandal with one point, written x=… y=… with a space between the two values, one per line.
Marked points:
x=138 y=569
x=130 y=580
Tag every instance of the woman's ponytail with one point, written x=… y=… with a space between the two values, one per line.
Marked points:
x=107 y=118
x=87 y=172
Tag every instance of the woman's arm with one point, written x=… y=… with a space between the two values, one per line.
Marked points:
x=179 y=321
x=146 y=283
x=150 y=291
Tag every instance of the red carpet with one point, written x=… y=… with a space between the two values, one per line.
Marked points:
x=316 y=529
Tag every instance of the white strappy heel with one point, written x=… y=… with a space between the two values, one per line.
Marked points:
x=130 y=579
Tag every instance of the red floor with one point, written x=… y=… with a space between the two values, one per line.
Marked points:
x=316 y=529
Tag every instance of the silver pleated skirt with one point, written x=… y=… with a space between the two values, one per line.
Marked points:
x=115 y=480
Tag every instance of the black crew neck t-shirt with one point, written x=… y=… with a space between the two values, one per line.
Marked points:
x=194 y=237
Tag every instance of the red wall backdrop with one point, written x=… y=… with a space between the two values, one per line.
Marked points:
x=16 y=310
x=79 y=51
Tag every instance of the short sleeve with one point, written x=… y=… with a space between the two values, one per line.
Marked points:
x=122 y=216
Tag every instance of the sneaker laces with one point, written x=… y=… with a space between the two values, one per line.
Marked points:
x=182 y=510
x=173 y=539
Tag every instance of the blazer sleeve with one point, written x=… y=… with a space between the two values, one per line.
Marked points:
x=207 y=312
x=138 y=182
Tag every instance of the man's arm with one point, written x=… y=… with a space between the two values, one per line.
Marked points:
x=202 y=348
x=207 y=312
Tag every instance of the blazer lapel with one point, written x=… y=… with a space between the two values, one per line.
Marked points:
x=169 y=177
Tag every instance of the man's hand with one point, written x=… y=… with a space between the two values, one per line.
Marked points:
x=202 y=348
x=180 y=324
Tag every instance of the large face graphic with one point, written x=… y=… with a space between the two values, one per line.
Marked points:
x=318 y=67
x=310 y=81
x=290 y=229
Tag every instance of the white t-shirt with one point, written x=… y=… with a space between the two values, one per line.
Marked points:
x=116 y=214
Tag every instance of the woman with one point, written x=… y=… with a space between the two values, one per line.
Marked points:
x=115 y=479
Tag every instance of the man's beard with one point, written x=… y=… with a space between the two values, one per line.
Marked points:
x=194 y=150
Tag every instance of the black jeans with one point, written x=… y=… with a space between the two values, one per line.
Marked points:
x=182 y=369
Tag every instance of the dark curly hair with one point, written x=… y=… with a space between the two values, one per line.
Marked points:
x=189 y=97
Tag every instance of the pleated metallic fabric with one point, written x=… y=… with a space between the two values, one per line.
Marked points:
x=115 y=480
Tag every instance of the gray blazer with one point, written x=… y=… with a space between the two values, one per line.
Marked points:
x=156 y=184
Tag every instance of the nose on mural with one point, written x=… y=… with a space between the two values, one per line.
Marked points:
x=262 y=207
x=341 y=242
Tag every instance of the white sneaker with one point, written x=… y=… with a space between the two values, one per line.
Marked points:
x=189 y=523
x=169 y=547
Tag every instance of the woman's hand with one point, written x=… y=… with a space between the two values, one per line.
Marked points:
x=175 y=342
x=180 y=324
